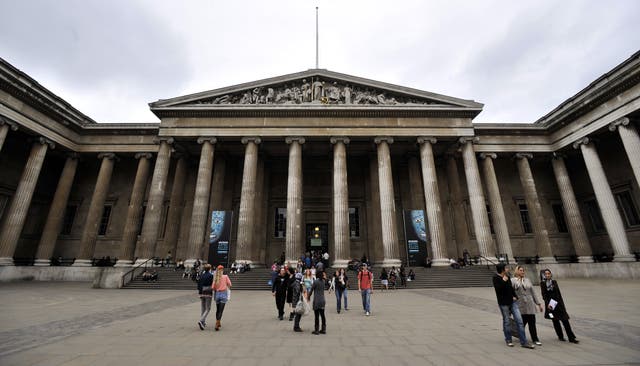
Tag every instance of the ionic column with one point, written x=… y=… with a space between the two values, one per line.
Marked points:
x=387 y=203
x=294 y=245
x=56 y=212
x=434 y=216
x=96 y=207
x=215 y=198
x=200 y=200
x=176 y=204
x=155 y=202
x=15 y=216
x=341 y=244
x=460 y=226
x=476 y=199
x=246 y=217
x=631 y=142
x=5 y=126
x=606 y=201
x=495 y=202
x=571 y=211
x=134 y=211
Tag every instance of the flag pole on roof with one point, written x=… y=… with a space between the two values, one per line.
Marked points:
x=316 y=37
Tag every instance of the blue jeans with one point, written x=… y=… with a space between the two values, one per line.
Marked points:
x=506 y=323
x=220 y=297
x=366 y=299
x=339 y=295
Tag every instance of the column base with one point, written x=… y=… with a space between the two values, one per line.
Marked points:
x=340 y=263
x=547 y=260
x=82 y=263
x=585 y=259
x=124 y=263
x=389 y=263
x=42 y=263
x=624 y=258
x=440 y=262
x=6 y=261
x=141 y=261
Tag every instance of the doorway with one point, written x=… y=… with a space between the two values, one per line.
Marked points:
x=317 y=238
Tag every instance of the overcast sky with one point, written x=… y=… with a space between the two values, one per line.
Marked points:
x=109 y=59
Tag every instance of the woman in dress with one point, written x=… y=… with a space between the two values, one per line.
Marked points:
x=555 y=308
x=221 y=284
x=528 y=302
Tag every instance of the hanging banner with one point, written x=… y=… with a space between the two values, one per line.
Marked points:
x=219 y=237
x=415 y=233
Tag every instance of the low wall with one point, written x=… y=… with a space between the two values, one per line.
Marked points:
x=33 y=273
x=609 y=270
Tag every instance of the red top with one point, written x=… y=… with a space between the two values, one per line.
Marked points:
x=222 y=284
x=364 y=277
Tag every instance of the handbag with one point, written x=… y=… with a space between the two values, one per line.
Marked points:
x=300 y=307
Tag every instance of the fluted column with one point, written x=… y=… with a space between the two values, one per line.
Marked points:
x=200 y=200
x=631 y=141
x=259 y=232
x=176 y=204
x=374 y=227
x=571 y=211
x=606 y=202
x=134 y=211
x=476 y=199
x=495 y=202
x=416 y=188
x=15 y=216
x=215 y=198
x=294 y=245
x=434 y=216
x=341 y=244
x=246 y=217
x=5 y=126
x=155 y=202
x=387 y=204
x=460 y=227
x=96 y=208
x=54 y=218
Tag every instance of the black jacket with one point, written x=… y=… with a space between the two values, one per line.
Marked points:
x=504 y=291
x=560 y=312
x=280 y=285
x=206 y=280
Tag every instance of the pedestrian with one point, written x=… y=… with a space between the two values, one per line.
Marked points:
x=403 y=276
x=317 y=290
x=365 y=286
x=291 y=273
x=221 y=287
x=508 y=303
x=528 y=302
x=279 y=291
x=555 y=308
x=384 y=279
x=205 y=291
x=299 y=292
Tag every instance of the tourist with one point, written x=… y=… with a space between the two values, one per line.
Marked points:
x=325 y=258
x=454 y=264
x=221 y=287
x=365 y=286
x=308 y=279
x=291 y=276
x=154 y=276
x=179 y=265
x=341 y=284
x=412 y=275
x=279 y=291
x=317 y=290
x=146 y=275
x=527 y=302
x=508 y=303
x=403 y=276
x=298 y=293
x=555 y=308
x=384 y=279
x=466 y=257
x=167 y=259
x=205 y=291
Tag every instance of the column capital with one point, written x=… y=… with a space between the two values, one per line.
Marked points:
x=472 y=139
x=335 y=139
x=297 y=139
x=12 y=125
x=107 y=155
x=45 y=141
x=145 y=155
x=527 y=156
x=424 y=139
x=256 y=140
x=583 y=141
x=558 y=155
x=624 y=121
x=380 y=139
x=201 y=140
x=486 y=155
x=161 y=139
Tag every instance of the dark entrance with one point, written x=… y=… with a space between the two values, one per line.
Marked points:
x=317 y=238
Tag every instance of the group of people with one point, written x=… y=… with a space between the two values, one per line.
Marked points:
x=388 y=279
x=240 y=267
x=213 y=287
x=517 y=297
x=150 y=276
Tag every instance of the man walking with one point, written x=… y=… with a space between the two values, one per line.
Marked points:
x=365 y=286
x=508 y=303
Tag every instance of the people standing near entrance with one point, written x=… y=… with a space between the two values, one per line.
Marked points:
x=527 y=302
x=325 y=259
x=279 y=291
x=317 y=290
x=384 y=279
x=508 y=303
x=555 y=308
x=221 y=287
x=341 y=283
x=365 y=286
x=205 y=291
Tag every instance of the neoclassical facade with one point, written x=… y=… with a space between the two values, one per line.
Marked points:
x=319 y=160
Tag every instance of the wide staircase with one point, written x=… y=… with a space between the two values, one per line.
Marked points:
x=258 y=278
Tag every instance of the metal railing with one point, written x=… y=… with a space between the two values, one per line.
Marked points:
x=133 y=270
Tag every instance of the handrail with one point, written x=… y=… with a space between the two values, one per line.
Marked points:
x=488 y=260
x=133 y=270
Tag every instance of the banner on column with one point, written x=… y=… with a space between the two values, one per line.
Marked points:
x=219 y=237
x=415 y=233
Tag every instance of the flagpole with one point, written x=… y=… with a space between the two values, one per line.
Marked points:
x=316 y=37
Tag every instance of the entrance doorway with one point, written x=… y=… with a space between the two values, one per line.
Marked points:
x=317 y=238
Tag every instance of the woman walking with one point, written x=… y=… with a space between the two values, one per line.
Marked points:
x=205 y=293
x=221 y=285
x=341 y=285
x=317 y=289
x=555 y=308
x=527 y=302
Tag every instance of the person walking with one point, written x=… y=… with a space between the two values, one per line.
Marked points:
x=527 y=302
x=555 y=308
x=205 y=292
x=298 y=292
x=317 y=290
x=508 y=303
x=221 y=287
x=340 y=279
x=279 y=291
x=365 y=286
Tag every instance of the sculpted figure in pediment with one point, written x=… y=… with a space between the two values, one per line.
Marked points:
x=333 y=93
x=270 y=96
x=347 y=95
x=306 y=91
x=318 y=87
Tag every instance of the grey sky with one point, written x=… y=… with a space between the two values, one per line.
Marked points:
x=520 y=58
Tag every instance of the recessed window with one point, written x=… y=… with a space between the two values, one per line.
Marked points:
x=69 y=218
x=104 y=220
x=280 y=224
x=558 y=213
x=354 y=222
x=524 y=218
x=593 y=210
x=627 y=208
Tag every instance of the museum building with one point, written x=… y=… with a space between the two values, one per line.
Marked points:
x=319 y=160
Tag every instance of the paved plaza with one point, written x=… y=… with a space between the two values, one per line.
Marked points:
x=72 y=324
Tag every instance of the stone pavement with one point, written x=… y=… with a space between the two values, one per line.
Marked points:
x=71 y=324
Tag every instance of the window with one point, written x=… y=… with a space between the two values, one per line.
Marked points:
x=558 y=213
x=144 y=210
x=280 y=227
x=104 y=221
x=69 y=218
x=627 y=208
x=490 y=219
x=524 y=217
x=594 y=215
x=354 y=222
